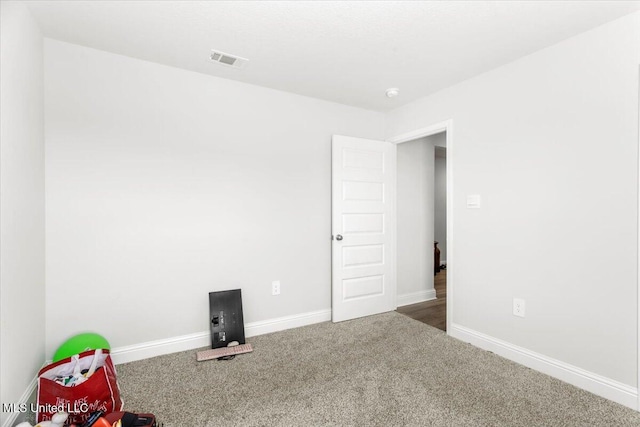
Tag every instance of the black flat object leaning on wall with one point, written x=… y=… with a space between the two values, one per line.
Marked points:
x=225 y=317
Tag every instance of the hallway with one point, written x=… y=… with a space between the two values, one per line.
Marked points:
x=433 y=313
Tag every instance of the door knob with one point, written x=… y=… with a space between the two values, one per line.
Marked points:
x=339 y=237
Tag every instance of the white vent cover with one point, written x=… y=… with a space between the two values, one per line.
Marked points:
x=228 y=60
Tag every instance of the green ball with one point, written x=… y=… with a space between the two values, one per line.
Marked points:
x=79 y=343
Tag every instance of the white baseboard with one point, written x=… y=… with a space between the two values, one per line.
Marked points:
x=288 y=322
x=602 y=386
x=149 y=349
x=15 y=417
x=416 y=297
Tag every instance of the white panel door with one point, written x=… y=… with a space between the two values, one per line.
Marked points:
x=363 y=227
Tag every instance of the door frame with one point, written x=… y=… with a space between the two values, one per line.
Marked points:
x=444 y=126
x=638 y=246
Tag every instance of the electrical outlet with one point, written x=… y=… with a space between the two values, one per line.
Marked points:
x=275 y=287
x=518 y=307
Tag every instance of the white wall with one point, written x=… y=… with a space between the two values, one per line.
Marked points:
x=550 y=142
x=22 y=285
x=415 y=210
x=165 y=184
x=440 y=205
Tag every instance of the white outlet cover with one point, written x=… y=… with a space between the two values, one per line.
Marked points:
x=275 y=287
x=518 y=307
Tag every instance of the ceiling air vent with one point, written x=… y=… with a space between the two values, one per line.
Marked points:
x=228 y=60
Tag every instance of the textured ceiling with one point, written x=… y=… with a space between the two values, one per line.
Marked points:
x=344 y=51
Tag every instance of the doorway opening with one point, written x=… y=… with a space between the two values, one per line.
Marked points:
x=421 y=236
x=424 y=225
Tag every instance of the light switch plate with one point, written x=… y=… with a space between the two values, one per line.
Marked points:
x=474 y=201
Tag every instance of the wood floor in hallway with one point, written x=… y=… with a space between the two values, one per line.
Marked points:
x=433 y=312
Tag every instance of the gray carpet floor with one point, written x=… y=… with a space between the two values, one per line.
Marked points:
x=383 y=370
